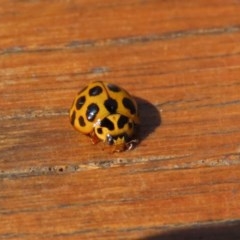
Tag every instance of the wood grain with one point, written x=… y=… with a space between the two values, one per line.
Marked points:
x=181 y=60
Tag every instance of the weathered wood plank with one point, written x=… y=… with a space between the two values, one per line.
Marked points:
x=181 y=62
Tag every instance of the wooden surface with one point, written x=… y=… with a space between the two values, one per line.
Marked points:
x=181 y=59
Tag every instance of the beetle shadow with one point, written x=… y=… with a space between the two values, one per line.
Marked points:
x=150 y=118
x=220 y=231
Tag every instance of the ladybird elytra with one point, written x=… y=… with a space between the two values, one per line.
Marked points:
x=106 y=112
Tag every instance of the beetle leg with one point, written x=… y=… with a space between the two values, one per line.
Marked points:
x=94 y=137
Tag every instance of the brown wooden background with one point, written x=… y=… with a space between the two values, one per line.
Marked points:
x=181 y=59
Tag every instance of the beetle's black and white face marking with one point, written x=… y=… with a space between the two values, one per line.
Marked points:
x=110 y=139
x=113 y=127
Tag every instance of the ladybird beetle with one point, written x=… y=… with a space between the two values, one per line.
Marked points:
x=106 y=112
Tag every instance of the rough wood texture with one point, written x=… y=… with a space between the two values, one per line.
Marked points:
x=181 y=60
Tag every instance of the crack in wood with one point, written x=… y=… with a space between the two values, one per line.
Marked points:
x=230 y=159
x=77 y=44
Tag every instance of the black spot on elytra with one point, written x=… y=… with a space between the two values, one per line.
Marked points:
x=111 y=105
x=80 y=101
x=73 y=116
x=107 y=124
x=122 y=121
x=130 y=125
x=128 y=103
x=81 y=121
x=92 y=111
x=113 y=87
x=94 y=91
